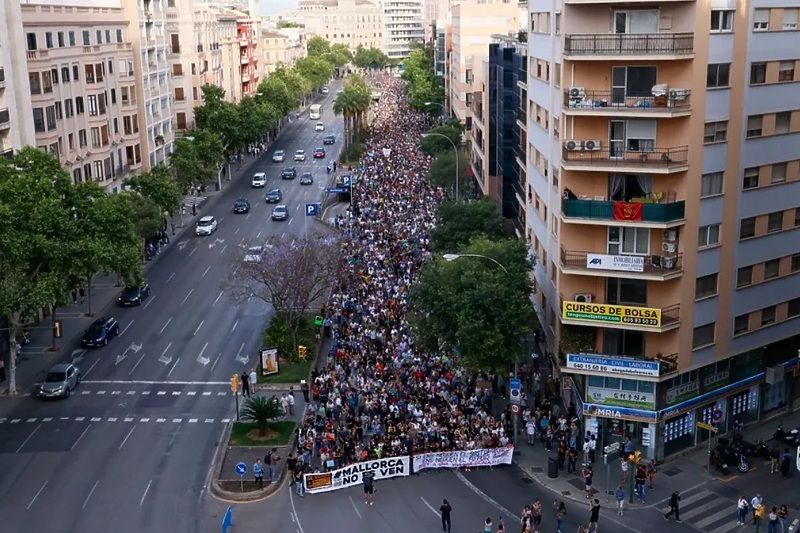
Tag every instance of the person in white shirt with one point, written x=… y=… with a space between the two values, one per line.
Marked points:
x=754 y=503
x=290 y=403
x=530 y=429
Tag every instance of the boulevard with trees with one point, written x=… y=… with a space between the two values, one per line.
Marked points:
x=424 y=89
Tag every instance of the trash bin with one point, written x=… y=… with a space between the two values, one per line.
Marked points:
x=552 y=467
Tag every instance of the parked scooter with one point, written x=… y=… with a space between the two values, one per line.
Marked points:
x=789 y=437
x=749 y=449
x=732 y=456
x=718 y=462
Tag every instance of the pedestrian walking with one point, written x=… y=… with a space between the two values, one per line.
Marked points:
x=758 y=517
x=783 y=514
x=624 y=466
x=445 y=509
x=271 y=460
x=536 y=513
x=253 y=379
x=772 y=520
x=561 y=515
x=304 y=389
x=572 y=461
x=620 y=496
x=754 y=503
x=594 y=515
x=258 y=473
x=299 y=481
x=674 y=507
x=245 y=384
x=487 y=525
x=741 y=510
x=368 y=480
x=640 y=477
x=651 y=473
x=290 y=403
x=587 y=480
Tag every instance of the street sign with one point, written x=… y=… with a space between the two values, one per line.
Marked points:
x=241 y=469
x=515 y=386
x=336 y=190
x=515 y=409
x=345 y=179
x=707 y=427
x=312 y=210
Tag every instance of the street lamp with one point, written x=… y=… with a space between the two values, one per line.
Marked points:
x=455 y=149
x=444 y=109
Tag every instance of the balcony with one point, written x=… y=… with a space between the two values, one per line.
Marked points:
x=245 y=60
x=638 y=318
x=649 y=267
x=604 y=46
x=636 y=214
x=575 y=155
x=38 y=54
x=5 y=119
x=616 y=103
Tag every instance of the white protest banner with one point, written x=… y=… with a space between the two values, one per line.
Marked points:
x=461 y=458
x=350 y=476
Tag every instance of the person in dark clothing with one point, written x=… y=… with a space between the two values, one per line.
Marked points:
x=304 y=390
x=245 y=384
x=368 y=479
x=445 y=509
x=674 y=507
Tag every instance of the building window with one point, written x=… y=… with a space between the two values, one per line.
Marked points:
x=789 y=18
x=76 y=73
x=797 y=217
x=758 y=73
x=772 y=269
x=747 y=228
x=754 y=125
x=95 y=133
x=750 y=178
x=31 y=38
x=715 y=132
x=793 y=308
x=82 y=138
x=705 y=286
x=98 y=170
x=795 y=264
x=50 y=116
x=60 y=36
x=782 y=121
x=741 y=324
x=722 y=20
x=86 y=38
x=48 y=39
x=98 y=34
x=79 y=105
x=744 y=277
x=779 y=172
x=91 y=104
x=718 y=75
x=786 y=71
x=703 y=336
x=119 y=36
x=72 y=41
x=708 y=235
x=38 y=120
x=64 y=74
x=711 y=184
x=761 y=20
x=768 y=315
x=108 y=36
x=34 y=80
x=775 y=222
x=68 y=110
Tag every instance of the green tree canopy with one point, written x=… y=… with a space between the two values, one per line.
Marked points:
x=317 y=46
x=433 y=144
x=159 y=186
x=442 y=172
x=296 y=84
x=273 y=91
x=316 y=70
x=459 y=223
x=370 y=58
x=220 y=116
x=195 y=158
x=422 y=85
x=340 y=55
x=475 y=307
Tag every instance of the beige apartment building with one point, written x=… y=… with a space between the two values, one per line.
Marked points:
x=16 y=126
x=472 y=25
x=284 y=46
x=350 y=22
x=83 y=92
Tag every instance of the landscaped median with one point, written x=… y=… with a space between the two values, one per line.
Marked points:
x=292 y=368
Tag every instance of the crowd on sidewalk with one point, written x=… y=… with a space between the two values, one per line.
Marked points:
x=379 y=395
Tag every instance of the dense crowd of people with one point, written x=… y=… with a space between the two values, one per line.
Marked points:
x=379 y=395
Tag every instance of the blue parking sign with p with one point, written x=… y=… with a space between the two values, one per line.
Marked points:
x=312 y=210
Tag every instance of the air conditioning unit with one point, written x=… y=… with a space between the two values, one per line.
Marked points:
x=670 y=235
x=591 y=146
x=577 y=93
x=573 y=146
x=583 y=297
x=668 y=247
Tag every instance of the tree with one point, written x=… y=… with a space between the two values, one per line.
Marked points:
x=422 y=85
x=442 y=171
x=474 y=307
x=260 y=411
x=372 y=58
x=273 y=90
x=297 y=85
x=317 y=46
x=195 y=158
x=459 y=223
x=340 y=55
x=221 y=117
x=352 y=103
x=316 y=70
x=291 y=276
x=288 y=24
x=256 y=116
x=158 y=186
x=433 y=144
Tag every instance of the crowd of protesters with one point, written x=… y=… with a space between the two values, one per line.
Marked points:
x=379 y=396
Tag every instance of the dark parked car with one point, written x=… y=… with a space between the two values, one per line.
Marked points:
x=289 y=173
x=134 y=295
x=241 y=206
x=319 y=153
x=100 y=332
x=273 y=196
x=329 y=139
x=307 y=179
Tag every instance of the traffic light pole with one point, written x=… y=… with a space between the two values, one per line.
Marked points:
x=236 y=403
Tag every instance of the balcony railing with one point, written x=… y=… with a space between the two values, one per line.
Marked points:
x=615 y=100
x=628 y=44
x=616 y=211
x=656 y=158
x=665 y=266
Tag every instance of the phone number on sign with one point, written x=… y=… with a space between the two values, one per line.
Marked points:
x=641 y=321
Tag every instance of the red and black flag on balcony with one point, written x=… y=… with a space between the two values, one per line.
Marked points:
x=628 y=211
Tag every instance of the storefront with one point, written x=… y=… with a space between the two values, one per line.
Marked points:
x=612 y=424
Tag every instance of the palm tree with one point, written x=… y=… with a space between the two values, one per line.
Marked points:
x=352 y=103
x=260 y=411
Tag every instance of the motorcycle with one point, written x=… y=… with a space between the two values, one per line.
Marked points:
x=733 y=457
x=789 y=437
x=717 y=461
x=749 y=449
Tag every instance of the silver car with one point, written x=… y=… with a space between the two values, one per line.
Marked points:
x=60 y=381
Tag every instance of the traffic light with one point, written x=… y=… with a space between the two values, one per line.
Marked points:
x=302 y=352
x=57 y=329
x=636 y=457
x=235 y=383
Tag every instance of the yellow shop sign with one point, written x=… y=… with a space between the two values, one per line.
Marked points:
x=612 y=314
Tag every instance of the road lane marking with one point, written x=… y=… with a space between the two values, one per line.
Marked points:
x=29 y=438
x=241 y=241
x=140 y=382
x=126 y=328
x=223 y=249
x=353 y=503
x=190 y=393
x=128 y=435
x=296 y=517
x=206 y=272
x=31 y=420
x=149 y=301
x=192 y=420
x=176 y=421
x=187 y=296
x=176 y=393
x=112 y=418
x=37 y=495
x=91 y=368
x=101 y=392
x=146 y=490
x=47 y=419
x=86 y=501
x=136 y=365
x=216 y=361
x=173 y=366
x=161 y=393
x=116 y=392
x=429 y=506
x=170 y=277
x=218 y=297
x=206 y=393
x=96 y=419
x=237 y=229
x=80 y=436
x=145 y=393
x=209 y=420
x=165 y=326
x=222 y=394
x=258 y=236
x=128 y=419
x=144 y=420
x=234 y=325
x=193 y=251
x=225 y=420
x=200 y=325
x=161 y=420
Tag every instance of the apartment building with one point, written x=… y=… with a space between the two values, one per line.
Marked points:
x=353 y=23
x=16 y=126
x=247 y=31
x=228 y=36
x=433 y=11
x=403 y=27
x=284 y=46
x=472 y=25
x=82 y=90
x=663 y=204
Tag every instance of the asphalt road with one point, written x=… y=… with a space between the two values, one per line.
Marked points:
x=129 y=451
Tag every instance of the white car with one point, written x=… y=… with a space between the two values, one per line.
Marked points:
x=325 y=90
x=206 y=226
x=300 y=155
x=253 y=254
x=278 y=156
x=319 y=127
x=259 y=180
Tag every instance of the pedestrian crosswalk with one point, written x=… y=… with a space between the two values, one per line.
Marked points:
x=127 y=419
x=144 y=392
x=707 y=510
x=190 y=200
